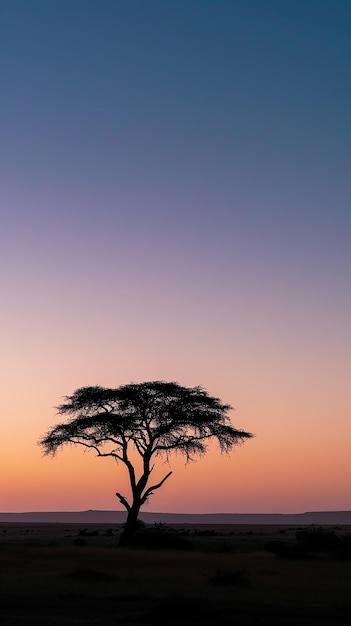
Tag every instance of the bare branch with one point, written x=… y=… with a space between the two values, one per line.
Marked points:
x=123 y=501
x=150 y=490
x=140 y=447
x=94 y=447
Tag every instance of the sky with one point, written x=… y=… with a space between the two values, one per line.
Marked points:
x=175 y=205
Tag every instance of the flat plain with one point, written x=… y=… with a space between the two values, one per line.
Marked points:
x=70 y=575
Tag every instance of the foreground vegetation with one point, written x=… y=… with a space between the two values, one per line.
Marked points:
x=51 y=575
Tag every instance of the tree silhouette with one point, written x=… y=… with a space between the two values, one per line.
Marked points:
x=143 y=421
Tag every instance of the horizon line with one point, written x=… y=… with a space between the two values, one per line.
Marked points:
x=27 y=512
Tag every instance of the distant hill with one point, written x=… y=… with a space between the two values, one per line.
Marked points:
x=118 y=517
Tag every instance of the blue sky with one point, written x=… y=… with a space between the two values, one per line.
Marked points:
x=221 y=117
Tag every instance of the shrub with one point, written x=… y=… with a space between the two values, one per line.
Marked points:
x=161 y=537
x=316 y=538
x=226 y=577
x=309 y=542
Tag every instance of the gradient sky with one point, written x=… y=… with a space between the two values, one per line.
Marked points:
x=175 y=205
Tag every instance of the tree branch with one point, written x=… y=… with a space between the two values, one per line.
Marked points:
x=150 y=490
x=140 y=447
x=129 y=465
x=123 y=501
x=92 y=446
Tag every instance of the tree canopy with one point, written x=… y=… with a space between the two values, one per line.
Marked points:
x=153 y=419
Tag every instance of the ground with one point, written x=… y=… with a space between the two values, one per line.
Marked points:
x=58 y=575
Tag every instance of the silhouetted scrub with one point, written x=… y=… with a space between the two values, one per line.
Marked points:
x=207 y=533
x=227 y=577
x=88 y=533
x=310 y=543
x=80 y=542
x=160 y=537
x=317 y=538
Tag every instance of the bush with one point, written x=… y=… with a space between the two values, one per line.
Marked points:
x=309 y=542
x=317 y=539
x=161 y=537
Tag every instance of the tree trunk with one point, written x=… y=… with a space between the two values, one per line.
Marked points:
x=130 y=525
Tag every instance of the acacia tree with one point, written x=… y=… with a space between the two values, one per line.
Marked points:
x=143 y=421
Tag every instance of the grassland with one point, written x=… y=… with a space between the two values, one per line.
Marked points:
x=54 y=575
